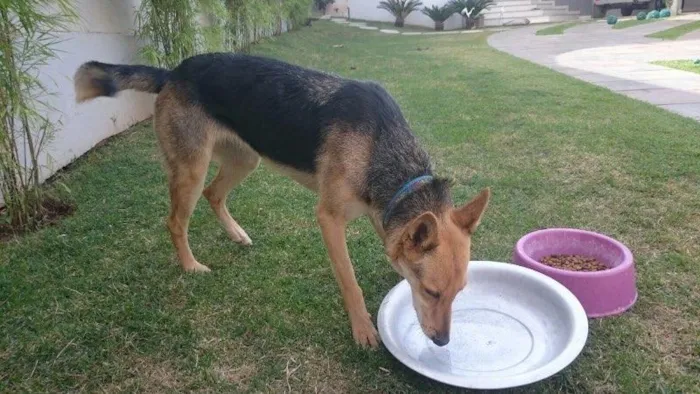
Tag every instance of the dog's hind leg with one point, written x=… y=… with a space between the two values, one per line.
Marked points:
x=237 y=160
x=186 y=184
x=186 y=140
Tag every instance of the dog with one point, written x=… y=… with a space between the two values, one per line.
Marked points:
x=346 y=140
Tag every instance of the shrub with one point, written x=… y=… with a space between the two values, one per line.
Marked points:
x=438 y=15
x=400 y=9
x=173 y=32
x=473 y=8
x=321 y=4
x=641 y=16
x=29 y=33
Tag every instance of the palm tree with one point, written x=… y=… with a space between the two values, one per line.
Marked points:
x=438 y=15
x=400 y=9
x=474 y=7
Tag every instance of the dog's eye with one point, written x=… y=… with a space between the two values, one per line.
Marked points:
x=433 y=293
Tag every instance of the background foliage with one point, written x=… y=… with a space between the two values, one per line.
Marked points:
x=29 y=29
x=176 y=29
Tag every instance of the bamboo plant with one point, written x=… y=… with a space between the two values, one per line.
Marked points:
x=29 y=32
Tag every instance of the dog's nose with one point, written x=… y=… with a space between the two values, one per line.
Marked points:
x=441 y=339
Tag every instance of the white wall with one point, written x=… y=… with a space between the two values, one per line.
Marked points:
x=367 y=10
x=104 y=33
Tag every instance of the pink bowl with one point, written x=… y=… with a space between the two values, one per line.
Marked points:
x=602 y=293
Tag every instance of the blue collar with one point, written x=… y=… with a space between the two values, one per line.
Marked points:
x=408 y=188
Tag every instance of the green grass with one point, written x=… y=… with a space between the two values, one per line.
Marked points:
x=632 y=23
x=685 y=65
x=676 y=32
x=98 y=303
x=556 y=29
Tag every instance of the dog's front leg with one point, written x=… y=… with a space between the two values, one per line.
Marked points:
x=333 y=230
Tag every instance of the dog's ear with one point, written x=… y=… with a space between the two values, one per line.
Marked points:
x=468 y=216
x=420 y=236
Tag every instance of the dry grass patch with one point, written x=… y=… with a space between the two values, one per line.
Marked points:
x=238 y=375
x=670 y=336
x=147 y=375
x=312 y=370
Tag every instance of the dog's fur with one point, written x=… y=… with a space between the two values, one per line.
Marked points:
x=346 y=140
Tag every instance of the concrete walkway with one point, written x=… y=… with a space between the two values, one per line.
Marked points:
x=616 y=59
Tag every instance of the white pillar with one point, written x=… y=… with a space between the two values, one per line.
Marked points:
x=675 y=7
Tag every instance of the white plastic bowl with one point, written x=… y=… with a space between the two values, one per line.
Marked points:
x=511 y=326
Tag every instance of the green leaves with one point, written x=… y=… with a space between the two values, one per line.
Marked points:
x=438 y=14
x=177 y=29
x=27 y=41
x=400 y=8
x=476 y=7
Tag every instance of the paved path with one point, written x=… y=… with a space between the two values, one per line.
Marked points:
x=616 y=59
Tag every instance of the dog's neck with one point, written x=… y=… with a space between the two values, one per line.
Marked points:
x=432 y=196
x=398 y=159
x=405 y=191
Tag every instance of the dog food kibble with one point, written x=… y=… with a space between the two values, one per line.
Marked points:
x=573 y=262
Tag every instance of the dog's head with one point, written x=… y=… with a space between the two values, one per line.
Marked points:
x=432 y=253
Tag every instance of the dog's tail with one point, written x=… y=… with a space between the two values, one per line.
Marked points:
x=95 y=79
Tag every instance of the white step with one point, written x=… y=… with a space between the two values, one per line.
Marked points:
x=529 y=14
x=508 y=4
x=533 y=20
x=517 y=8
x=515 y=2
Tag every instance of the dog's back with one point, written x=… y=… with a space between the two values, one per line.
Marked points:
x=281 y=110
x=276 y=108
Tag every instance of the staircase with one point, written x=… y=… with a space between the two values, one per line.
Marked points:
x=522 y=12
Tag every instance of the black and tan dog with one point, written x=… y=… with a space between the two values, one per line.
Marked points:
x=346 y=140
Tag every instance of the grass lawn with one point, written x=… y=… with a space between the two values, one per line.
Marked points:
x=685 y=65
x=98 y=303
x=676 y=32
x=556 y=29
x=632 y=23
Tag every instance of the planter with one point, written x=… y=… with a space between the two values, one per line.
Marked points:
x=480 y=22
x=468 y=23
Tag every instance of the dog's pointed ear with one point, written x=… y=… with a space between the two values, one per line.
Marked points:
x=420 y=236
x=469 y=216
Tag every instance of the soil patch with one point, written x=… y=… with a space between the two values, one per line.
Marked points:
x=51 y=212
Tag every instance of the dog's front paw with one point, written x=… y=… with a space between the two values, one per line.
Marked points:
x=194 y=266
x=364 y=333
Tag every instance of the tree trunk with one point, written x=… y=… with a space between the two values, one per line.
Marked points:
x=439 y=26
x=469 y=23
x=398 y=22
